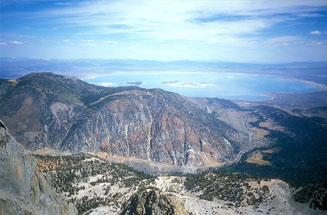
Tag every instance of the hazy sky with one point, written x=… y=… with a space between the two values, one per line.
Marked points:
x=238 y=31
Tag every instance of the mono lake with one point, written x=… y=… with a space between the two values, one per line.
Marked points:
x=231 y=86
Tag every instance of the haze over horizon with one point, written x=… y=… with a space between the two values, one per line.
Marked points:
x=238 y=31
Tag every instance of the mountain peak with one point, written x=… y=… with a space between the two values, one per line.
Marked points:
x=65 y=113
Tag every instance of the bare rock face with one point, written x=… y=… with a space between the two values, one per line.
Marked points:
x=64 y=113
x=155 y=126
x=23 y=188
x=153 y=202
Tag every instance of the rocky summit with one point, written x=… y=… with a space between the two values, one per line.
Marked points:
x=67 y=114
x=23 y=188
x=152 y=201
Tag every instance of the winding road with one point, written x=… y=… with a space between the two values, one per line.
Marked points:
x=239 y=155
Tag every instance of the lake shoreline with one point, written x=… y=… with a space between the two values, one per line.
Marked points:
x=186 y=78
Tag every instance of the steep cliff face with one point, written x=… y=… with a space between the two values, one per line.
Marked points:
x=23 y=188
x=152 y=125
x=47 y=110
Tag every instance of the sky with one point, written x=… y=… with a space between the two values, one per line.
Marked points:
x=260 y=31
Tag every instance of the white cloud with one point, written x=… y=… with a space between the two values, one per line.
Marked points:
x=178 y=29
x=15 y=42
x=315 y=32
x=176 y=19
x=63 y=3
x=106 y=84
x=109 y=42
x=183 y=84
x=316 y=43
x=284 y=40
x=311 y=15
x=88 y=41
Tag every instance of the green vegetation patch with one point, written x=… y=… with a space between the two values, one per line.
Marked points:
x=69 y=98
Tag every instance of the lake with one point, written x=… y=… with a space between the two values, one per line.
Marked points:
x=231 y=86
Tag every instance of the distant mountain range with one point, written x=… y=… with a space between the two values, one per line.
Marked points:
x=67 y=114
x=17 y=67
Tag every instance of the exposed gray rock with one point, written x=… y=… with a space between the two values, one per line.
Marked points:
x=153 y=202
x=23 y=188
